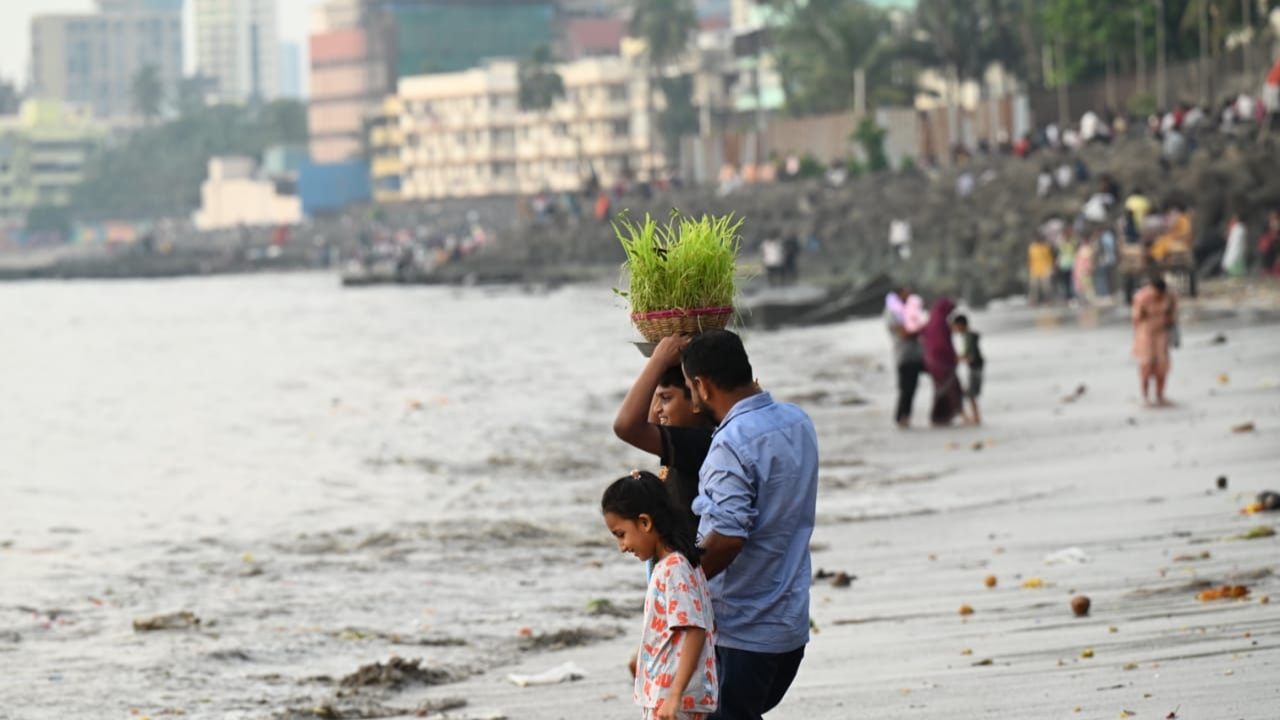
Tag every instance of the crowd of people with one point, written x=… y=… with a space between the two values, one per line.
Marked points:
x=1083 y=257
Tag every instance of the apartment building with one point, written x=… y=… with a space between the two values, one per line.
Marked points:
x=237 y=49
x=43 y=150
x=463 y=135
x=91 y=59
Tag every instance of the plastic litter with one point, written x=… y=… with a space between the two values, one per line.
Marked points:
x=567 y=672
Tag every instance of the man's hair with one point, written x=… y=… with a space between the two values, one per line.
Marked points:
x=961 y=320
x=718 y=357
x=674 y=378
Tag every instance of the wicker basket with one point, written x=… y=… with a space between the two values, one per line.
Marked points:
x=663 y=323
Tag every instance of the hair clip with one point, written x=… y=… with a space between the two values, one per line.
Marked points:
x=635 y=474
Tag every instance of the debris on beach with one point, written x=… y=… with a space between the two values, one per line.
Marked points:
x=573 y=637
x=330 y=710
x=566 y=672
x=1226 y=592
x=397 y=672
x=990 y=581
x=606 y=607
x=1247 y=427
x=1223 y=379
x=1033 y=583
x=1080 y=605
x=838 y=578
x=1068 y=556
x=1257 y=533
x=1087 y=653
x=184 y=620
x=1267 y=501
x=1079 y=393
x=1222 y=482
x=983 y=662
x=1219 y=339
x=966 y=610
x=435 y=706
x=1192 y=558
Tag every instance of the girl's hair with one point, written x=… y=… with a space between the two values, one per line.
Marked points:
x=642 y=493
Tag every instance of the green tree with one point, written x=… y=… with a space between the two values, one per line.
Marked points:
x=539 y=83
x=679 y=116
x=823 y=45
x=148 y=93
x=665 y=26
x=156 y=172
x=871 y=137
x=49 y=219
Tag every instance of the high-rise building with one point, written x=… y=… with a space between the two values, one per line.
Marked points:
x=237 y=47
x=290 y=71
x=92 y=59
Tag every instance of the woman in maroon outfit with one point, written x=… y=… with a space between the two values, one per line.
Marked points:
x=940 y=361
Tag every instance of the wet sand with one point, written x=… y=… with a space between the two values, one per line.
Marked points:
x=337 y=503
x=922 y=517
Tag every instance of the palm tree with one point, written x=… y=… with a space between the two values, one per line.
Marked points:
x=539 y=83
x=148 y=93
x=665 y=27
x=823 y=47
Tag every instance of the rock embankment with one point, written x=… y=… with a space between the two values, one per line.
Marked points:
x=973 y=247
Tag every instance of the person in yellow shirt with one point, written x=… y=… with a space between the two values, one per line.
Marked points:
x=1138 y=205
x=1177 y=237
x=1039 y=271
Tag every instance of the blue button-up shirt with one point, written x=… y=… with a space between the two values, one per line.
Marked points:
x=760 y=483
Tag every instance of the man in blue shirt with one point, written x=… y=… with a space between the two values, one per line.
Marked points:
x=757 y=498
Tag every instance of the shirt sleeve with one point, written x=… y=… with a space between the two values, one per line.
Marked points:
x=727 y=497
x=684 y=595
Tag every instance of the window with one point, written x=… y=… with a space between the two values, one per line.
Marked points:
x=617 y=92
x=621 y=128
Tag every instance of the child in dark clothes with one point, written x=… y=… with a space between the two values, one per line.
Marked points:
x=972 y=356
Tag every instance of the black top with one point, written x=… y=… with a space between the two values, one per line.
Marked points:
x=683 y=451
x=972 y=352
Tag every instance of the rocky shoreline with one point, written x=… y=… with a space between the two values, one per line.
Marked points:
x=971 y=247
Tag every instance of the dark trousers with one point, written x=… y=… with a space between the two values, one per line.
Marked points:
x=908 y=380
x=752 y=683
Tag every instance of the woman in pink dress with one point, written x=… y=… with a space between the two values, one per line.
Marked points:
x=1155 y=314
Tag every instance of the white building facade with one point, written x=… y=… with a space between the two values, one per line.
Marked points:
x=463 y=134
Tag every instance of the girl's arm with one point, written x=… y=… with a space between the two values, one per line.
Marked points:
x=690 y=663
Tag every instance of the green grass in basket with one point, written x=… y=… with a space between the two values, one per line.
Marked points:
x=685 y=264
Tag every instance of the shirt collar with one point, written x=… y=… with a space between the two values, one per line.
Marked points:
x=746 y=405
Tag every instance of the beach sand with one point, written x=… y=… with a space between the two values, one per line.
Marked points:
x=336 y=503
x=922 y=517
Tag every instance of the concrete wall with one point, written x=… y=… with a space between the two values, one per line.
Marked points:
x=232 y=197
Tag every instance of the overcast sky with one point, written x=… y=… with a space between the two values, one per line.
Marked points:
x=15 y=29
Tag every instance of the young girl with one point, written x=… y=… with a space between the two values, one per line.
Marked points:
x=676 y=676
